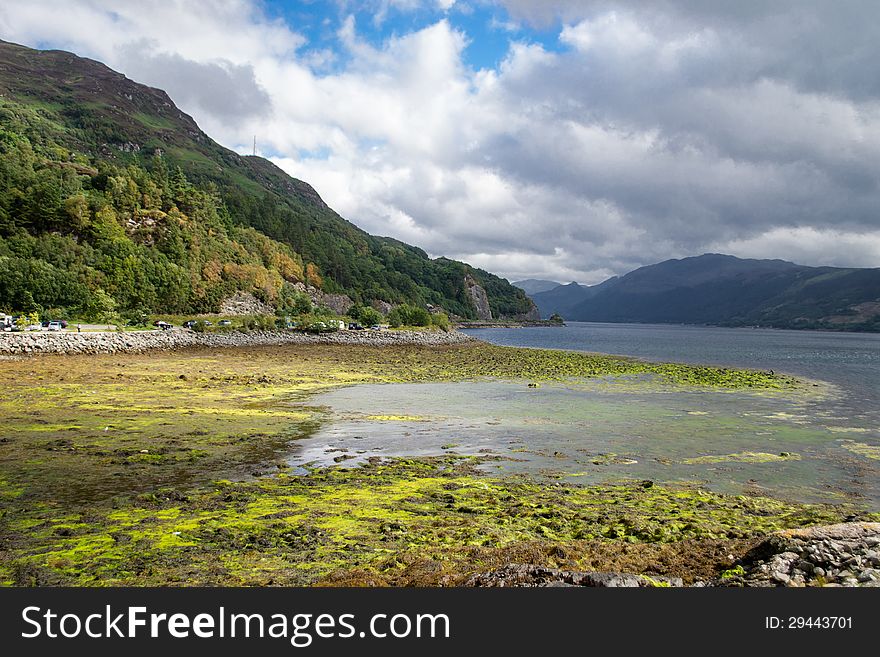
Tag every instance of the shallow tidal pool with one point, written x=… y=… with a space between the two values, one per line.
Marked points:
x=791 y=445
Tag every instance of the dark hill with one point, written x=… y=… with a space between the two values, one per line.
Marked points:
x=724 y=290
x=565 y=298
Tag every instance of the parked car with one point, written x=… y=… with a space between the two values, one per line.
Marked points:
x=375 y=327
x=54 y=326
x=190 y=323
x=224 y=322
x=354 y=326
x=165 y=326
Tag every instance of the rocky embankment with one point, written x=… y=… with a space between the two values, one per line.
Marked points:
x=846 y=554
x=13 y=344
x=504 y=323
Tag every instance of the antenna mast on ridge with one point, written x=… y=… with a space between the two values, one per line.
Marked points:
x=255 y=145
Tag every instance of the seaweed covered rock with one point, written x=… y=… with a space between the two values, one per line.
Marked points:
x=844 y=554
x=526 y=575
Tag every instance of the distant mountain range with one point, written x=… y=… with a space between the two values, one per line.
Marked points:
x=535 y=285
x=728 y=291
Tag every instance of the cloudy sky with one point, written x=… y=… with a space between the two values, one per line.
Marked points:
x=566 y=139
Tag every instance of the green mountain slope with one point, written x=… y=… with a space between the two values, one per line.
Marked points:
x=107 y=188
x=722 y=289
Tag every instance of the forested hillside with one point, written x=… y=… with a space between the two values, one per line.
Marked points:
x=110 y=196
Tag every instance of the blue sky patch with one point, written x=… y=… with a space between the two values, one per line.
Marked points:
x=489 y=28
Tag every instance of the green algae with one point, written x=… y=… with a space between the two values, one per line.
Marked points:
x=298 y=530
x=862 y=449
x=744 y=457
x=736 y=571
x=107 y=468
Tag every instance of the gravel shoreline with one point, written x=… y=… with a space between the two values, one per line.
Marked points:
x=17 y=344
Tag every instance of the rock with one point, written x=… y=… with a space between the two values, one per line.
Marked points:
x=382 y=306
x=478 y=298
x=338 y=303
x=527 y=575
x=140 y=341
x=805 y=566
x=244 y=303
x=532 y=315
x=831 y=555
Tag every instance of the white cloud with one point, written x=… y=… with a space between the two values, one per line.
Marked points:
x=614 y=32
x=657 y=133
x=826 y=247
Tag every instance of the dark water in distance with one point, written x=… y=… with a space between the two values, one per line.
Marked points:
x=849 y=360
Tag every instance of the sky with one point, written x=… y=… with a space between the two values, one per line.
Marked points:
x=561 y=139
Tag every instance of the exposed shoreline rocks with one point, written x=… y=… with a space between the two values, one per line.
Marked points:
x=526 y=575
x=846 y=554
x=108 y=342
x=506 y=323
x=842 y=555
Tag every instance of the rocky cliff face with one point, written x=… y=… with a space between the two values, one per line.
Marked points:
x=532 y=315
x=245 y=303
x=338 y=303
x=478 y=297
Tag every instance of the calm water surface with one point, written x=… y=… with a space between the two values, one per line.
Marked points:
x=594 y=431
x=851 y=360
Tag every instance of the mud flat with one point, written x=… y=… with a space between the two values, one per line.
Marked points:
x=171 y=468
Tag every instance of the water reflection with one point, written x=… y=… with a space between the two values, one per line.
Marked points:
x=794 y=446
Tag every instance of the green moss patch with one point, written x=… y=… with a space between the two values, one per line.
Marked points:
x=744 y=457
x=372 y=519
x=862 y=449
x=108 y=472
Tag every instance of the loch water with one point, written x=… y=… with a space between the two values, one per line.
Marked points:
x=819 y=445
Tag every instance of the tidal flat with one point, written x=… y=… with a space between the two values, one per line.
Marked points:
x=186 y=468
